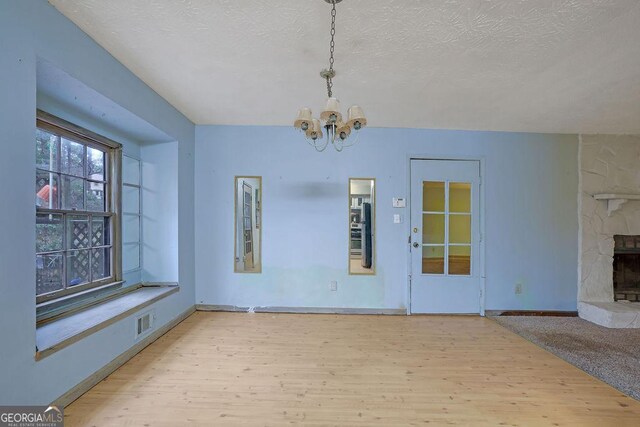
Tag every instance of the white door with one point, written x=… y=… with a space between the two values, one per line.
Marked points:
x=445 y=236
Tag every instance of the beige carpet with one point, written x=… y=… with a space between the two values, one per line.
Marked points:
x=612 y=355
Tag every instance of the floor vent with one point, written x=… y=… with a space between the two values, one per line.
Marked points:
x=144 y=323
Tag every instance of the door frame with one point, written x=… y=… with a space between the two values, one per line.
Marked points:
x=481 y=212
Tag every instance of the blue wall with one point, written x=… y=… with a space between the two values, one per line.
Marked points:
x=531 y=233
x=30 y=30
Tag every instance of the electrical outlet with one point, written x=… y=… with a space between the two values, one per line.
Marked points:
x=333 y=286
x=518 y=289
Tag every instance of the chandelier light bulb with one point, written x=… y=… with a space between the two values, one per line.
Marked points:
x=356 y=118
x=304 y=118
x=331 y=112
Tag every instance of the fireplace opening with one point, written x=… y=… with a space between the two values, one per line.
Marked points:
x=626 y=268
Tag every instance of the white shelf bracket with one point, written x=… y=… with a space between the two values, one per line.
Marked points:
x=615 y=204
x=615 y=201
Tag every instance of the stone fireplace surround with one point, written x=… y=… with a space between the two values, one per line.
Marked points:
x=609 y=169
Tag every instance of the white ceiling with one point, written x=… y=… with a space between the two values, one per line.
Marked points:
x=568 y=66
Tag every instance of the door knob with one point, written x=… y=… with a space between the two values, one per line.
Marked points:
x=415 y=244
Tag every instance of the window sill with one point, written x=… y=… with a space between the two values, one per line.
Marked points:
x=60 y=333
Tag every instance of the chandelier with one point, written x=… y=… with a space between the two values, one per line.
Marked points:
x=336 y=131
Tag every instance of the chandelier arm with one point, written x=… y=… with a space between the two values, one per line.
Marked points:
x=353 y=141
x=321 y=147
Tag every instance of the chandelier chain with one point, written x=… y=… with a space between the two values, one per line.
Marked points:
x=332 y=45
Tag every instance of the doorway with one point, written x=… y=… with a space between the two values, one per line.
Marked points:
x=445 y=236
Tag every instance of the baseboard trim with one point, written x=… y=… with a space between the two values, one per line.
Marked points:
x=89 y=382
x=302 y=310
x=555 y=313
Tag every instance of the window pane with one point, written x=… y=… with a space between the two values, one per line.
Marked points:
x=100 y=232
x=49 y=232
x=100 y=263
x=130 y=199
x=433 y=228
x=46 y=150
x=130 y=257
x=48 y=273
x=459 y=228
x=130 y=170
x=72 y=193
x=95 y=164
x=433 y=259
x=459 y=197
x=460 y=260
x=46 y=190
x=130 y=228
x=433 y=196
x=72 y=158
x=78 y=234
x=95 y=200
x=77 y=267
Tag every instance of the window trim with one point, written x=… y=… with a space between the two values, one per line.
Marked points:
x=113 y=198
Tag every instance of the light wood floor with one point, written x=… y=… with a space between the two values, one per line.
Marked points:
x=219 y=369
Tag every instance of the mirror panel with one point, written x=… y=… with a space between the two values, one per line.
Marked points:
x=248 y=224
x=362 y=225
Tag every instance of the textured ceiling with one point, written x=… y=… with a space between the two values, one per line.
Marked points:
x=519 y=65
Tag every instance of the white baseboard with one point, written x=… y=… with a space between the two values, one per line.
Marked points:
x=302 y=310
x=110 y=367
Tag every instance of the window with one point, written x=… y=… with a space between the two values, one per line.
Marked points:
x=77 y=209
x=131 y=213
x=446 y=228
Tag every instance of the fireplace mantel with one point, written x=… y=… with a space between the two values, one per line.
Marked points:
x=615 y=200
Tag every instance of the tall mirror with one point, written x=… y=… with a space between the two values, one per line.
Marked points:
x=362 y=225
x=248 y=195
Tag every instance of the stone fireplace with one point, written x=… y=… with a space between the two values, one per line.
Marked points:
x=626 y=268
x=609 y=221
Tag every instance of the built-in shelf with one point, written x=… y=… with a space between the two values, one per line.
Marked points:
x=615 y=200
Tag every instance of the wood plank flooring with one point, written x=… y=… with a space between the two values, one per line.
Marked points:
x=217 y=369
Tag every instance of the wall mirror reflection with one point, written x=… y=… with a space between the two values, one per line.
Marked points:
x=248 y=196
x=362 y=226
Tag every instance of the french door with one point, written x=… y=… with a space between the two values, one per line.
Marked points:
x=445 y=236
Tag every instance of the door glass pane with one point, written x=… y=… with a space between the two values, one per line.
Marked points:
x=433 y=228
x=72 y=158
x=459 y=228
x=78 y=267
x=459 y=197
x=433 y=259
x=49 y=273
x=433 y=196
x=460 y=260
x=49 y=232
